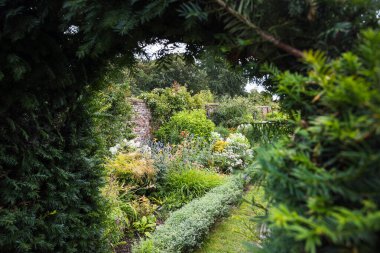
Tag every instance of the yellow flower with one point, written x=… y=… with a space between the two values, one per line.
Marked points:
x=220 y=145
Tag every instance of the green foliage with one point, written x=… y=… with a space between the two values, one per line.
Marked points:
x=324 y=182
x=130 y=212
x=51 y=51
x=232 y=233
x=224 y=132
x=112 y=112
x=302 y=24
x=183 y=123
x=209 y=72
x=132 y=168
x=193 y=181
x=119 y=213
x=266 y=132
x=180 y=187
x=232 y=112
x=145 y=225
x=164 y=103
x=186 y=227
x=233 y=155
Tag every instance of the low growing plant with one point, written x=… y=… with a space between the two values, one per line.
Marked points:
x=180 y=187
x=186 y=227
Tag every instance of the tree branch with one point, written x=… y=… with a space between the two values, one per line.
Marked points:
x=263 y=34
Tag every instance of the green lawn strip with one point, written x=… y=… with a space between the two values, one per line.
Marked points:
x=230 y=234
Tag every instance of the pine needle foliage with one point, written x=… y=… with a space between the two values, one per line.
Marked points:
x=324 y=183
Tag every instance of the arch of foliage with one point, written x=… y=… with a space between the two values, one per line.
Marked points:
x=53 y=54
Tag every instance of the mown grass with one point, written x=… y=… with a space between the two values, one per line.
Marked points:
x=230 y=234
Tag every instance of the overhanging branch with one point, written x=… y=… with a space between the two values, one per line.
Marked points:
x=263 y=34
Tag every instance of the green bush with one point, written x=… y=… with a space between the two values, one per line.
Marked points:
x=111 y=114
x=164 y=103
x=186 y=227
x=232 y=112
x=180 y=187
x=182 y=124
x=324 y=183
x=223 y=131
x=266 y=132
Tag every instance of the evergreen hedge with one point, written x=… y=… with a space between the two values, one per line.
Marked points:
x=184 y=230
x=324 y=183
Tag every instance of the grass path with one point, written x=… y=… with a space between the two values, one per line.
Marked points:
x=230 y=234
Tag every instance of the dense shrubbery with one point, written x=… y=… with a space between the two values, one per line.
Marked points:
x=185 y=228
x=111 y=114
x=164 y=103
x=145 y=183
x=266 y=132
x=186 y=123
x=209 y=72
x=232 y=154
x=324 y=182
x=222 y=155
x=232 y=112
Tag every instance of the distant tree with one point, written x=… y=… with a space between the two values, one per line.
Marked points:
x=208 y=72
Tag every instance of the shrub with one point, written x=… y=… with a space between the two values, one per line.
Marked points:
x=111 y=114
x=235 y=155
x=202 y=98
x=164 y=103
x=186 y=227
x=133 y=168
x=220 y=146
x=232 y=112
x=266 y=132
x=119 y=213
x=324 y=183
x=223 y=131
x=181 y=124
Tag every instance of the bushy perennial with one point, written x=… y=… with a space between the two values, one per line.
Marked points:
x=232 y=154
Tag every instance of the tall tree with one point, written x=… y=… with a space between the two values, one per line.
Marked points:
x=207 y=72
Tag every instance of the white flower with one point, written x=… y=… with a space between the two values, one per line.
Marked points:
x=113 y=150
x=215 y=136
x=133 y=144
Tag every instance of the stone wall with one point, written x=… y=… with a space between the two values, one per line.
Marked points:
x=141 y=120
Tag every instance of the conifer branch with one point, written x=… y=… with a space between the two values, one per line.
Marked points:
x=263 y=34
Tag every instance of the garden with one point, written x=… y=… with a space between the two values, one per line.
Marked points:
x=178 y=126
x=168 y=191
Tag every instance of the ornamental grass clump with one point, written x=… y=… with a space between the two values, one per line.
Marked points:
x=132 y=167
